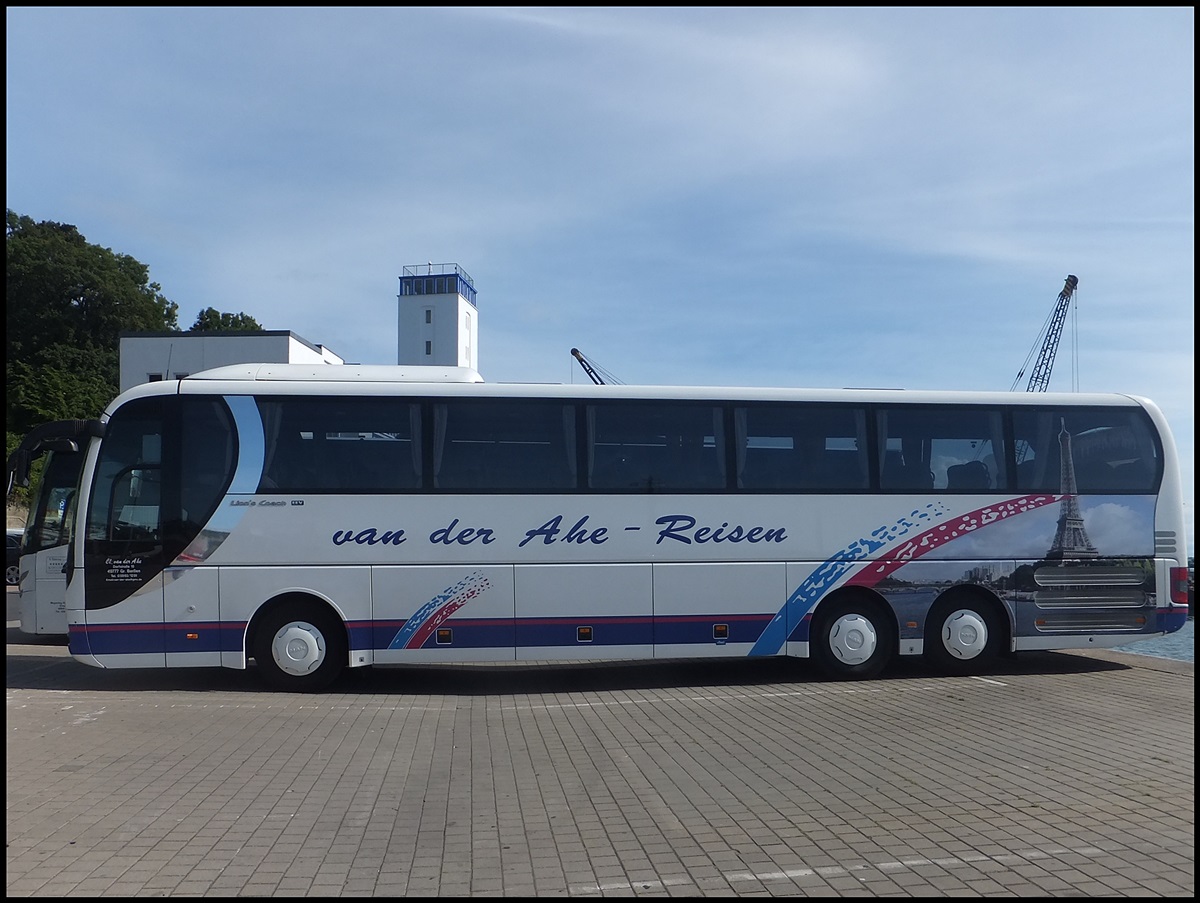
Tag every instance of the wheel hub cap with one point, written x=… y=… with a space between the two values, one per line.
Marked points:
x=965 y=634
x=298 y=648
x=853 y=639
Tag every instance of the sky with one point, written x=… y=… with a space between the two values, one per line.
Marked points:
x=818 y=197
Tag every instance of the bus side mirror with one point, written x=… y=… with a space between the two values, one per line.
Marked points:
x=19 y=463
x=60 y=446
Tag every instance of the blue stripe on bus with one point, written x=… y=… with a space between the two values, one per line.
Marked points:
x=211 y=637
x=482 y=633
x=127 y=639
x=621 y=631
x=1172 y=619
x=698 y=629
x=77 y=640
x=500 y=633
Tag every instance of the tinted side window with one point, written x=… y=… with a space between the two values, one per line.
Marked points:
x=503 y=446
x=206 y=456
x=800 y=447
x=1099 y=450
x=339 y=444
x=941 y=449
x=656 y=447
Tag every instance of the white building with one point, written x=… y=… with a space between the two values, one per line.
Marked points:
x=437 y=322
x=148 y=357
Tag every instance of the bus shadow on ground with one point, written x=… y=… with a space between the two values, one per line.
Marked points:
x=570 y=677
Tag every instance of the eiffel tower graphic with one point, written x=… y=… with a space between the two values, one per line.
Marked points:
x=1070 y=539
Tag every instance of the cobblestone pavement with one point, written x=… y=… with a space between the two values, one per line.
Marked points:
x=1053 y=775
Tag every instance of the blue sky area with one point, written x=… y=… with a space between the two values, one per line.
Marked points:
x=715 y=196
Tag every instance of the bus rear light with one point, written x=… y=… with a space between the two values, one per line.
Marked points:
x=1179 y=586
x=191 y=636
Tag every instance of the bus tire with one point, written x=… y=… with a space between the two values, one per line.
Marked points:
x=963 y=633
x=300 y=647
x=852 y=638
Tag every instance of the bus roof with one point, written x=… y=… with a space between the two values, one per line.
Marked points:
x=341 y=373
x=852 y=396
x=387 y=379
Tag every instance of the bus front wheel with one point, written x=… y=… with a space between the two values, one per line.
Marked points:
x=962 y=634
x=300 y=647
x=852 y=639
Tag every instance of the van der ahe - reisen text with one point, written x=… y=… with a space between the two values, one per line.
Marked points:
x=676 y=527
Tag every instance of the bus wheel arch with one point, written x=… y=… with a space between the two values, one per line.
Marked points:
x=299 y=643
x=965 y=630
x=853 y=635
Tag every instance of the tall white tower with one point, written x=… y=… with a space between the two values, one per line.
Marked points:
x=438 y=322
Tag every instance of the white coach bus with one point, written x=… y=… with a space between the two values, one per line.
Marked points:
x=317 y=518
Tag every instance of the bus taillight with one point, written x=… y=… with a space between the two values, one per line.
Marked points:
x=1179 y=586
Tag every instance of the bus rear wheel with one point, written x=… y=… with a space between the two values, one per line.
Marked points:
x=300 y=647
x=962 y=634
x=852 y=638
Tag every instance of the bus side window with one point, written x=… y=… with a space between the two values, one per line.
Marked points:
x=1104 y=450
x=206 y=452
x=656 y=447
x=799 y=447
x=1106 y=460
x=941 y=448
x=504 y=447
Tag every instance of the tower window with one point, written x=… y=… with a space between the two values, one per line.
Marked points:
x=428 y=348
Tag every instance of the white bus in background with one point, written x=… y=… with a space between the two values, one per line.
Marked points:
x=41 y=573
x=311 y=519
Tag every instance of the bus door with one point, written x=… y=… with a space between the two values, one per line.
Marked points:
x=123 y=563
x=134 y=532
x=44 y=549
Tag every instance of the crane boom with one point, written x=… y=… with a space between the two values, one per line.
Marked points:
x=587 y=368
x=595 y=372
x=1039 y=379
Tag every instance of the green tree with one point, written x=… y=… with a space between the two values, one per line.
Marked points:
x=67 y=303
x=212 y=320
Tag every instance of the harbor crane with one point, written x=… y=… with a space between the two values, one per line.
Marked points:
x=1039 y=379
x=593 y=370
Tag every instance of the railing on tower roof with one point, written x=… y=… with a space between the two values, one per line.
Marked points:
x=436 y=279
